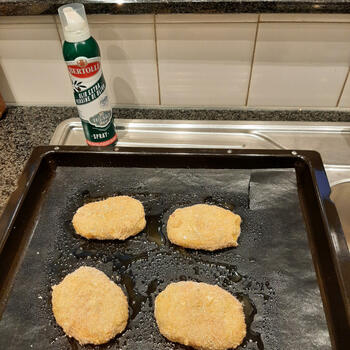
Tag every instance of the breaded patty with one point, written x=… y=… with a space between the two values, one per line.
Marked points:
x=204 y=226
x=113 y=218
x=200 y=315
x=89 y=306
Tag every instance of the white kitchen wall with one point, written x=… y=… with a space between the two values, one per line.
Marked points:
x=31 y=66
x=300 y=64
x=238 y=60
x=203 y=61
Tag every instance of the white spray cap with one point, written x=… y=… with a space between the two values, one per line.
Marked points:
x=74 y=23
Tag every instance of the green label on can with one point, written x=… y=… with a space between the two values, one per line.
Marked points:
x=92 y=101
x=99 y=136
x=91 y=93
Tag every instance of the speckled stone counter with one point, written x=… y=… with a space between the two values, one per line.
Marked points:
x=20 y=131
x=26 y=127
x=45 y=7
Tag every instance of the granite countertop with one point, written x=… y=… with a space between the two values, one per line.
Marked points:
x=45 y=7
x=23 y=128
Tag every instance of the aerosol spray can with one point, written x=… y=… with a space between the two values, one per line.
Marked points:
x=82 y=56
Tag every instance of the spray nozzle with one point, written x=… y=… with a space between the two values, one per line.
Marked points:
x=74 y=22
x=73 y=18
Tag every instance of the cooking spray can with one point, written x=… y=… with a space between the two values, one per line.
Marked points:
x=83 y=59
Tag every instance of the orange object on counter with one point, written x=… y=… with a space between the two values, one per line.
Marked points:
x=2 y=106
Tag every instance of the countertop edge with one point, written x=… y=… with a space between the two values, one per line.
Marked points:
x=31 y=8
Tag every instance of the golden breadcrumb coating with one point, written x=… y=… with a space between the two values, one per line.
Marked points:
x=89 y=306
x=204 y=226
x=113 y=218
x=200 y=315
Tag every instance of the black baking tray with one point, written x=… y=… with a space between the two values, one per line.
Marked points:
x=32 y=257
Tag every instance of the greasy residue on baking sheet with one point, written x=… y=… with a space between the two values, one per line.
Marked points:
x=270 y=271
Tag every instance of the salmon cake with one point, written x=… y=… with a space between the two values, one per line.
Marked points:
x=113 y=218
x=89 y=306
x=204 y=226
x=200 y=315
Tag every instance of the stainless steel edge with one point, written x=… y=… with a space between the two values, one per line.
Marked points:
x=331 y=140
